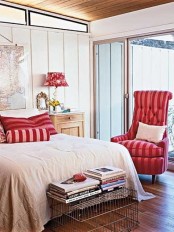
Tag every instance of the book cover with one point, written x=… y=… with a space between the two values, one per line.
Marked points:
x=54 y=188
x=82 y=189
x=109 y=188
x=83 y=192
x=68 y=187
x=58 y=194
x=105 y=177
x=75 y=198
x=66 y=196
x=111 y=180
x=113 y=183
x=112 y=189
x=105 y=171
x=84 y=200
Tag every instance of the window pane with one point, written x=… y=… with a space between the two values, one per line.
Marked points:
x=104 y=91
x=109 y=90
x=116 y=88
x=37 y=19
x=12 y=15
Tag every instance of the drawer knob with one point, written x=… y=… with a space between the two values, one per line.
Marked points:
x=70 y=118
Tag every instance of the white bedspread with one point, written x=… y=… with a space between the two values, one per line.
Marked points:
x=26 y=169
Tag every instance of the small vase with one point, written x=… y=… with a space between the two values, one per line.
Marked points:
x=58 y=109
x=52 y=109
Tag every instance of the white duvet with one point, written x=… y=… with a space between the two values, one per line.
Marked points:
x=26 y=169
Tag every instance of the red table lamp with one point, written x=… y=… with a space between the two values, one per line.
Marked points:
x=56 y=79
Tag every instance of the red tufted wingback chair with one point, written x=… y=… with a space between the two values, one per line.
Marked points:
x=151 y=107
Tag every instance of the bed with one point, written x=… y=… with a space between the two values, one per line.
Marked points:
x=26 y=169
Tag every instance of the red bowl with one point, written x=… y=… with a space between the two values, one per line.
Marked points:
x=79 y=177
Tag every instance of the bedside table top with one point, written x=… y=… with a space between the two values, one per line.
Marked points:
x=60 y=113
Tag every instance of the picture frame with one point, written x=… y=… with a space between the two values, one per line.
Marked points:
x=42 y=101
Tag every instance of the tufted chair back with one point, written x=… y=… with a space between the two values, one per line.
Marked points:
x=150 y=108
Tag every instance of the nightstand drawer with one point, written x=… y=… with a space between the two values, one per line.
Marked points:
x=69 y=118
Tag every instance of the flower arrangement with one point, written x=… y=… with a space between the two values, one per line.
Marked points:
x=54 y=103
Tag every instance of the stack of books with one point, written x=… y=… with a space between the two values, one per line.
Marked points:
x=110 y=178
x=69 y=191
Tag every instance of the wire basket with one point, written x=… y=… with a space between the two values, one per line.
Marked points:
x=111 y=211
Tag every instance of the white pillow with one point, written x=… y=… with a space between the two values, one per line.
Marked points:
x=150 y=133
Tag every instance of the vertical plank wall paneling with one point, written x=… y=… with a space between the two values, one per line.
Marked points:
x=155 y=68
x=145 y=62
x=6 y=32
x=136 y=67
x=51 y=50
x=152 y=68
x=39 y=57
x=164 y=64
x=84 y=81
x=56 y=59
x=71 y=70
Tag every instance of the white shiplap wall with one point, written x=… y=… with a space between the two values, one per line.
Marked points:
x=152 y=68
x=54 y=50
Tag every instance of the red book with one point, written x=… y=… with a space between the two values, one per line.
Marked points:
x=112 y=180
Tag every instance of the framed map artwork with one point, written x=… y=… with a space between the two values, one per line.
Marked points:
x=12 y=77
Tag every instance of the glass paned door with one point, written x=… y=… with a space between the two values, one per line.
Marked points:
x=109 y=90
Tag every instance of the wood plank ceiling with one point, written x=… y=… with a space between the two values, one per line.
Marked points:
x=90 y=10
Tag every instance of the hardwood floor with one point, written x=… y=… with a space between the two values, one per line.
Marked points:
x=157 y=214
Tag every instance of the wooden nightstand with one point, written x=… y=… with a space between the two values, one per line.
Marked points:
x=69 y=123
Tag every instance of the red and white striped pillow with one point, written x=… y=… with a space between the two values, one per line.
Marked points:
x=43 y=121
x=27 y=135
x=38 y=121
x=2 y=134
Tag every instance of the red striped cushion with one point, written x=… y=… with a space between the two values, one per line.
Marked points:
x=2 y=134
x=43 y=121
x=142 y=148
x=150 y=166
x=38 y=121
x=27 y=135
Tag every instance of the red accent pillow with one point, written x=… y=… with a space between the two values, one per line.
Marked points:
x=37 y=121
x=43 y=121
x=27 y=135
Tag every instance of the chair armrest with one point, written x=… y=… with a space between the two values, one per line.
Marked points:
x=165 y=145
x=118 y=138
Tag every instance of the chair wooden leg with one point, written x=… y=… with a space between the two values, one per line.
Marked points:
x=153 y=179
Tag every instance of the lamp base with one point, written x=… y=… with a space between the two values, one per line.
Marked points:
x=56 y=94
